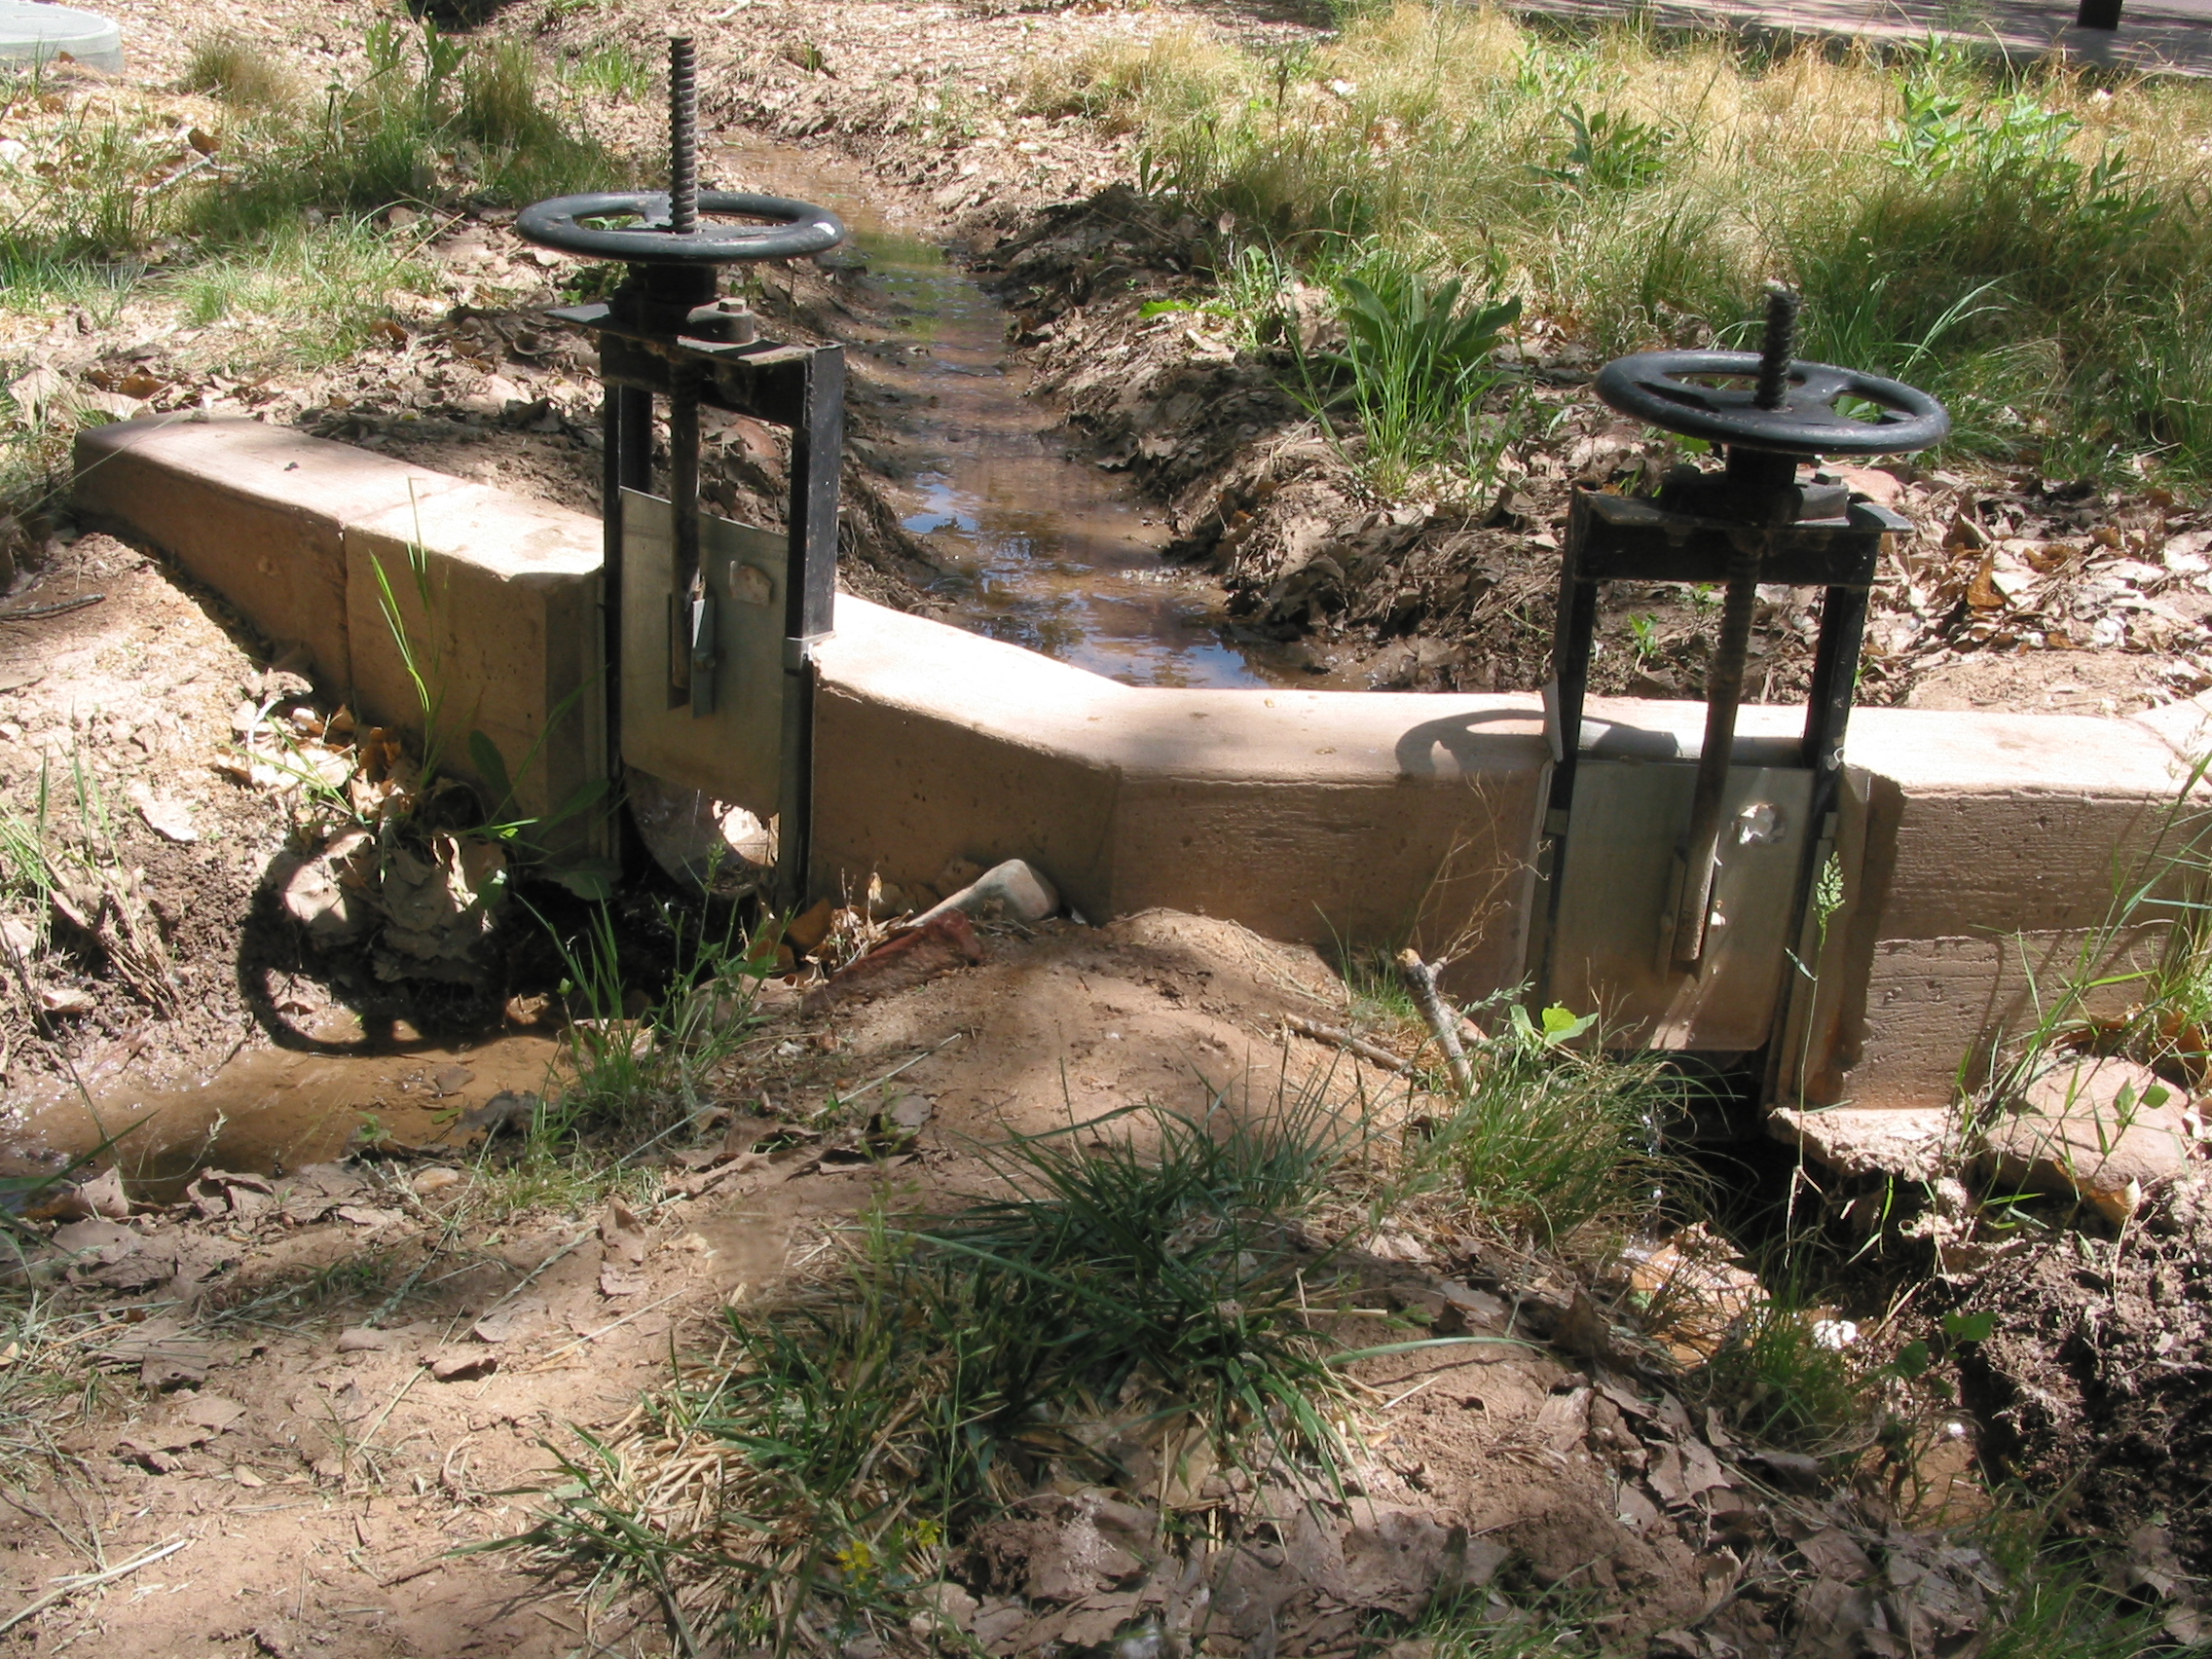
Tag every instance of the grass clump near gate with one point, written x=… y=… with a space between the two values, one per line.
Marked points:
x=1125 y=1314
x=2031 y=244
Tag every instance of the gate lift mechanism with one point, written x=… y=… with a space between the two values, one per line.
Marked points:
x=711 y=626
x=1715 y=863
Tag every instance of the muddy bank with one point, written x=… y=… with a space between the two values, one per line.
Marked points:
x=2015 y=591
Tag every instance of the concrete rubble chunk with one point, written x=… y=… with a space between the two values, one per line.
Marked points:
x=2106 y=1129
x=1011 y=891
x=1907 y=1142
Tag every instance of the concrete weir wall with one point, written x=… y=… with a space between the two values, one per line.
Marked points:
x=1975 y=848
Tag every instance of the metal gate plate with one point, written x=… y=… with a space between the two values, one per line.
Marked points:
x=1614 y=930
x=736 y=752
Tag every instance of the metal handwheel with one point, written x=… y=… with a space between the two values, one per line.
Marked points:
x=795 y=230
x=1666 y=389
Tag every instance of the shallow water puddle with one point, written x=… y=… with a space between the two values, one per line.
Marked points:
x=276 y=1109
x=1050 y=552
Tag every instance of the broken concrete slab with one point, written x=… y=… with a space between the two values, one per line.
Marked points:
x=1910 y=1144
x=2106 y=1129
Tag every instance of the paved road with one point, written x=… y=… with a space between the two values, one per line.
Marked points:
x=2172 y=36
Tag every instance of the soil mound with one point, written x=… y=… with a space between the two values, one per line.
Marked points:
x=2096 y=1384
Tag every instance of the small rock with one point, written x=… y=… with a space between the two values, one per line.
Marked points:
x=435 y=1179
x=2106 y=1129
x=461 y=1365
x=906 y=1115
x=365 y=1338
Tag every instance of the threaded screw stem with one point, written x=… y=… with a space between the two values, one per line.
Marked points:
x=683 y=137
x=1779 y=350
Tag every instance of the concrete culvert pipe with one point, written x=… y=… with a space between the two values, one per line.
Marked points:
x=32 y=34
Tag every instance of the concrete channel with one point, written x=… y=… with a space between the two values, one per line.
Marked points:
x=1976 y=850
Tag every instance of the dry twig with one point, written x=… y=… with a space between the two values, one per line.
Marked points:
x=1420 y=980
x=1340 y=1038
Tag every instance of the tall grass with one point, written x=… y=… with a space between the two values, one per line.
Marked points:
x=434 y=119
x=2030 y=245
x=270 y=212
x=109 y=185
x=328 y=285
x=1560 y=1148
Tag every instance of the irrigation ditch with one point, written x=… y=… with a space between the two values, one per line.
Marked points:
x=367 y=1226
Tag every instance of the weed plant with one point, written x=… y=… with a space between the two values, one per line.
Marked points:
x=1559 y=1146
x=1417 y=367
x=652 y=1072
x=1788 y=1388
x=239 y=71
x=1120 y=1300
x=2029 y=243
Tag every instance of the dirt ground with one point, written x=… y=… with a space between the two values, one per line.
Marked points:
x=318 y=1385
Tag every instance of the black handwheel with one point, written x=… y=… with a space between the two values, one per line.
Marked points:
x=794 y=228
x=1668 y=390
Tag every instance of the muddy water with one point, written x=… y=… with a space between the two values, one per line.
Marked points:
x=276 y=1109
x=1041 y=549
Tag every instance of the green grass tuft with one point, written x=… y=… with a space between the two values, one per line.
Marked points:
x=1129 y=1312
x=1561 y=1146
x=239 y=71
x=2032 y=244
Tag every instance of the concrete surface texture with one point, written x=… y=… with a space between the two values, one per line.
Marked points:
x=39 y=33
x=1979 y=851
x=291 y=531
x=2154 y=36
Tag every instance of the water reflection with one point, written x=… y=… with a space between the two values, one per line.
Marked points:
x=1041 y=550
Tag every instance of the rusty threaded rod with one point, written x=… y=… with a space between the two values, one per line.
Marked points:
x=1723 y=695
x=683 y=137
x=1778 y=351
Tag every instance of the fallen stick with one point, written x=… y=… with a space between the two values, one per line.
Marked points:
x=33 y=613
x=1420 y=980
x=1345 y=1040
x=86 y=1581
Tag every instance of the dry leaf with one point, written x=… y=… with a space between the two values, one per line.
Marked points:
x=621 y=1235
x=172 y=819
